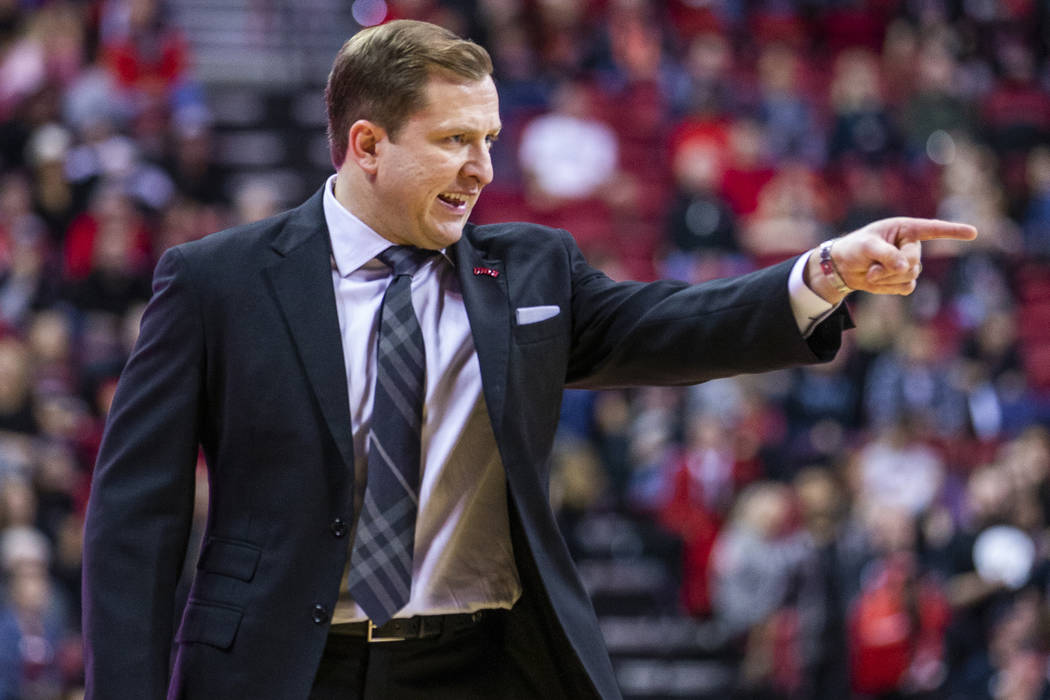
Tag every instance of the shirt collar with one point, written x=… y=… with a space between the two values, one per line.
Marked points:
x=353 y=242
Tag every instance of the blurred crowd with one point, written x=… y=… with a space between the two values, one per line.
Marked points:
x=875 y=527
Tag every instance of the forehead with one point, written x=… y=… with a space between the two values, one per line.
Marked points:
x=455 y=103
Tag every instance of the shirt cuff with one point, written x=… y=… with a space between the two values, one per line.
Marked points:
x=808 y=306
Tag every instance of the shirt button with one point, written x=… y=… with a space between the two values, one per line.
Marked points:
x=320 y=615
x=338 y=527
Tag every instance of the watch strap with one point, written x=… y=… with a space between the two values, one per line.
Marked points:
x=827 y=266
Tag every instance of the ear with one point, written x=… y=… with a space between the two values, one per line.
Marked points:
x=361 y=147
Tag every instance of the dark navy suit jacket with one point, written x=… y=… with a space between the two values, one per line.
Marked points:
x=240 y=353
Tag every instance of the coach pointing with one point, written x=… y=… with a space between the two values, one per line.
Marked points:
x=375 y=384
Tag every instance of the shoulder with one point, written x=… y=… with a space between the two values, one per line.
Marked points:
x=246 y=248
x=235 y=244
x=502 y=239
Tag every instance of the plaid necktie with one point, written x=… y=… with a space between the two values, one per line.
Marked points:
x=381 y=560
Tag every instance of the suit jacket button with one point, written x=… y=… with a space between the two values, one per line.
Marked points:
x=320 y=614
x=338 y=527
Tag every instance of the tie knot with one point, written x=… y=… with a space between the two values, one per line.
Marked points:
x=404 y=259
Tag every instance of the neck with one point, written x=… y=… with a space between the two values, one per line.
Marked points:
x=343 y=193
x=350 y=193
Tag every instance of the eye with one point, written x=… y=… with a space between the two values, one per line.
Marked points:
x=491 y=139
x=456 y=138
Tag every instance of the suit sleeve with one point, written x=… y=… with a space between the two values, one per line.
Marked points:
x=139 y=512
x=669 y=332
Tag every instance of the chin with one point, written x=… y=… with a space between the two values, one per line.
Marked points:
x=446 y=237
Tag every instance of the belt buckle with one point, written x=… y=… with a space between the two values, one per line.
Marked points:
x=370 y=637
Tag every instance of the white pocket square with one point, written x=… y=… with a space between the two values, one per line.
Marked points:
x=534 y=314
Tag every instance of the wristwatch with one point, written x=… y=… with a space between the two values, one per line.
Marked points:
x=827 y=266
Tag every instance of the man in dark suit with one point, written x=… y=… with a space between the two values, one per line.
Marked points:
x=288 y=350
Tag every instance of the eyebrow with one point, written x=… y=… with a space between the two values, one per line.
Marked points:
x=463 y=129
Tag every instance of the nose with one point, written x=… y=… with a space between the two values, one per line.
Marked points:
x=479 y=165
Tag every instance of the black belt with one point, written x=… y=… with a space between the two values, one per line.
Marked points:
x=419 y=627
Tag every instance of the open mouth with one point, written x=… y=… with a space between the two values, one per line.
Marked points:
x=458 y=202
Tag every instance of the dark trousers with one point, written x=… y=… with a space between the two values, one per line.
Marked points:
x=475 y=662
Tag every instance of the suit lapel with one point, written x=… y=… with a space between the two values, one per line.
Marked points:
x=485 y=297
x=301 y=281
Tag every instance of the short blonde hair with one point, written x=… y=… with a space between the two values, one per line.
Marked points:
x=380 y=74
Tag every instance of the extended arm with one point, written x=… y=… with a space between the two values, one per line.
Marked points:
x=668 y=332
x=671 y=333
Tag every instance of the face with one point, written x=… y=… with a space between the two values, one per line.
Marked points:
x=427 y=179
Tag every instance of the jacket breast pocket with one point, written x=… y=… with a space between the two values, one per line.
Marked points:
x=209 y=623
x=541 y=330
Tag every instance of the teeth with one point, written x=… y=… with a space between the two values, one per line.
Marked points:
x=453 y=198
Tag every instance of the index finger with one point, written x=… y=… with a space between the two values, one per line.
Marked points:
x=911 y=230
